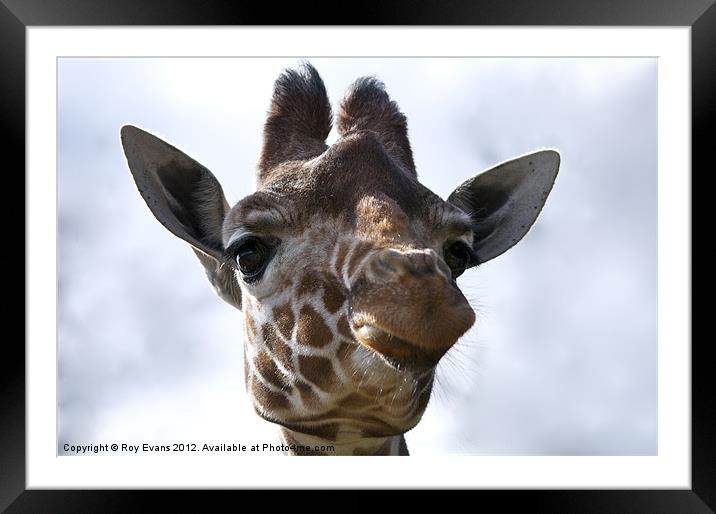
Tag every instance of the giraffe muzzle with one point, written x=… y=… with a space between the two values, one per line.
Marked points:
x=397 y=352
x=406 y=307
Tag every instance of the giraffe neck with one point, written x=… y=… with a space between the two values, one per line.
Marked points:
x=298 y=443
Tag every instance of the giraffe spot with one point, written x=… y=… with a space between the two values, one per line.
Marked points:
x=310 y=284
x=343 y=247
x=344 y=328
x=333 y=295
x=278 y=348
x=269 y=371
x=360 y=251
x=312 y=330
x=268 y=399
x=333 y=292
x=318 y=371
x=308 y=397
x=283 y=319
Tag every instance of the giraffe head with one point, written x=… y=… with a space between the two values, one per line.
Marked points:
x=343 y=264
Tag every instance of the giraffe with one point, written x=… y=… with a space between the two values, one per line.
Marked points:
x=342 y=263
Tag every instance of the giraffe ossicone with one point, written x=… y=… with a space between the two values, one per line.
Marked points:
x=343 y=264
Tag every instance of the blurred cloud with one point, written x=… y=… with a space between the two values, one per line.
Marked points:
x=562 y=360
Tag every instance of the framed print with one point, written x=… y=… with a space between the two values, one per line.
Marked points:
x=580 y=372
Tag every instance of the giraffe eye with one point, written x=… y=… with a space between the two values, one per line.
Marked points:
x=459 y=257
x=252 y=255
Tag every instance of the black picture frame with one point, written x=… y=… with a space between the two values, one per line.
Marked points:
x=17 y=15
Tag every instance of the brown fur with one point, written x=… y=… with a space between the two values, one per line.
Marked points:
x=308 y=397
x=312 y=330
x=266 y=398
x=333 y=293
x=319 y=371
x=278 y=348
x=367 y=106
x=298 y=121
x=270 y=373
x=284 y=320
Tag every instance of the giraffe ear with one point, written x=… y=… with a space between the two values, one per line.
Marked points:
x=505 y=201
x=187 y=199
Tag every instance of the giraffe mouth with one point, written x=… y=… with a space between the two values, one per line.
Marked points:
x=396 y=352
